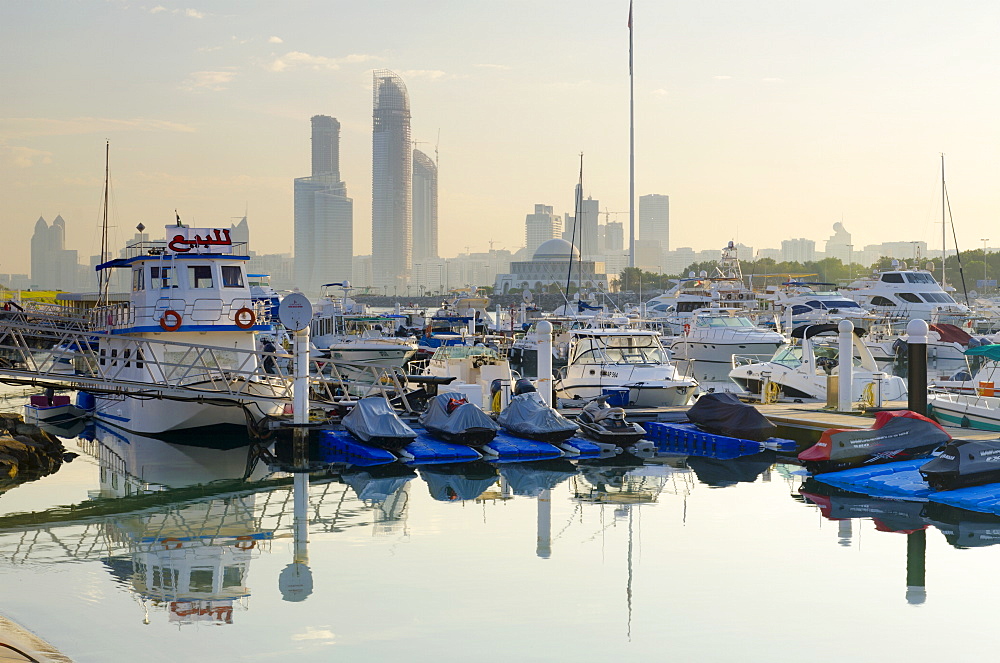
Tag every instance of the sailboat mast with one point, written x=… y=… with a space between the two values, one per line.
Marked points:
x=577 y=213
x=103 y=276
x=944 y=227
x=631 y=147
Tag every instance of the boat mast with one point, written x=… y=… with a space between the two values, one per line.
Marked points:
x=577 y=213
x=944 y=227
x=631 y=147
x=103 y=277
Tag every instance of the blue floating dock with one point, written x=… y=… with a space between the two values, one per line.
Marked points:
x=426 y=449
x=902 y=480
x=689 y=439
x=340 y=447
x=580 y=448
x=510 y=448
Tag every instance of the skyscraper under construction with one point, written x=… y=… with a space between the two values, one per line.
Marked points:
x=392 y=193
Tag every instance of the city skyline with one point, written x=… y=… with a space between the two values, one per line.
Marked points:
x=755 y=118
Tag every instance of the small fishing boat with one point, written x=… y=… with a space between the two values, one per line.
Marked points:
x=963 y=463
x=603 y=423
x=452 y=418
x=896 y=435
x=46 y=409
x=373 y=422
x=528 y=416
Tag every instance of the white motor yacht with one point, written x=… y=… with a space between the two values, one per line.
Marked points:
x=906 y=294
x=712 y=338
x=802 y=367
x=600 y=360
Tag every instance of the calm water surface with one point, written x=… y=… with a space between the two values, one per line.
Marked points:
x=683 y=557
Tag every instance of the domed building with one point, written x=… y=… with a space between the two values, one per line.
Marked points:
x=550 y=266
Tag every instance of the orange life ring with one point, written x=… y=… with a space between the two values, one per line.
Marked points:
x=173 y=326
x=245 y=542
x=171 y=543
x=687 y=329
x=242 y=320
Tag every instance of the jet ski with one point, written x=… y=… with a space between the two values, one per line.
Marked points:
x=373 y=422
x=963 y=463
x=896 y=435
x=528 y=416
x=603 y=423
x=452 y=418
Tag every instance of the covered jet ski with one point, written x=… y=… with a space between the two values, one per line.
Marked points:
x=963 y=463
x=896 y=435
x=603 y=423
x=373 y=422
x=723 y=413
x=452 y=418
x=528 y=416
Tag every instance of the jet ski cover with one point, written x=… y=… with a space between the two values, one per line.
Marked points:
x=964 y=463
x=528 y=414
x=374 y=419
x=723 y=413
x=451 y=414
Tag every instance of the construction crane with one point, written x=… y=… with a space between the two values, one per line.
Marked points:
x=607 y=214
x=427 y=142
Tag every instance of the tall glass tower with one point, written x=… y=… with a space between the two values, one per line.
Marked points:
x=324 y=215
x=392 y=186
x=425 y=207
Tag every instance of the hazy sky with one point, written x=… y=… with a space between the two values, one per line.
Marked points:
x=762 y=120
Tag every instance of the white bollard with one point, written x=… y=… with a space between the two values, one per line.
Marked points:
x=845 y=366
x=543 y=383
x=300 y=387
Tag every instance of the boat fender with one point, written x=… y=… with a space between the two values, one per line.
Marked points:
x=244 y=318
x=173 y=315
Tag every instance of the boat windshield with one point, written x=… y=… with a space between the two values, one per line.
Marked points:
x=463 y=351
x=625 y=350
x=789 y=355
x=725 y=321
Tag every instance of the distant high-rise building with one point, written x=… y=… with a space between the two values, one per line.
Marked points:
x=582 y=233
x=425 y=207
x=392 y=192
x=654 y=219
x=541 y=226
x=52 y=265
x=839 y=245
x=614 y=236
x=798 y=250
x=324 y=215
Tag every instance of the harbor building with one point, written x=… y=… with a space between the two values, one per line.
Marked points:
x=392 y=183
x=654 y=219
x=550 y=267
x=324 y=215
x=425 y=207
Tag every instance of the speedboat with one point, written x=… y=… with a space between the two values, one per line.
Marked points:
x=603 y=423
x=713 y=336
x=802 y=367
x=452 y=418
x=622 y=359
x=896 y=435
x=528 y=416
x=372 y=421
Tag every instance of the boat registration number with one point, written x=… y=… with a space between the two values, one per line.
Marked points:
x=609 y=374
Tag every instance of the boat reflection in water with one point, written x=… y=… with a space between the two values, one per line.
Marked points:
x=192 y=559
x=961 y=528
x=457 y=482
x=386 y=490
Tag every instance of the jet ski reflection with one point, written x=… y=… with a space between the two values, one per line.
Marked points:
x=455 y=482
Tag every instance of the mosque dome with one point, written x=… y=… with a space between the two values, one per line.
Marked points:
x=552 y=250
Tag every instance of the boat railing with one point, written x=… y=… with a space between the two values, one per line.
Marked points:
x=208 y=310
x=746 y=360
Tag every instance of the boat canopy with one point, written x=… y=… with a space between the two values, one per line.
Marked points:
x=808 y=331
x=991 y=352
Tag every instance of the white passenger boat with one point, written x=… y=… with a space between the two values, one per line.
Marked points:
x=190 y=293
x=801 y=368
x=602 y=361
x=712 y=338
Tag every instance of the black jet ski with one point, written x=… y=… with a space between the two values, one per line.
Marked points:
x=723 y=413
x=963 y=463
x=452 y=418
x=528 y=416
x=896 y=435
x=373 y=422
x=603 y=423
